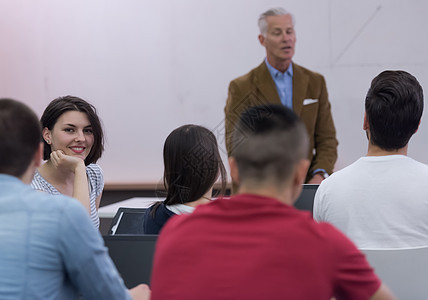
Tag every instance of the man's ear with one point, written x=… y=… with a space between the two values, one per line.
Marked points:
x=38 y=156
x=262 y=39
x=34 y=164
x=418 y=127
x=365 y=122
x=234 y=172
x=300 y=171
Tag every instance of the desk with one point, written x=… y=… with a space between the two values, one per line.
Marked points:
x=109 y=211
x=305 y=202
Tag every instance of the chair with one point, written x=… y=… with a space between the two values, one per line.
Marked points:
x=132 y=256
x=405 y=271
x=127 y=221
x=306 y=198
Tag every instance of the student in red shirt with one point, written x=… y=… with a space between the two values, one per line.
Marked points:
x=255 y=245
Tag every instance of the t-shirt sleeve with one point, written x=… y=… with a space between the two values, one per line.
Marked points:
x=354 y=278
x=318 y=212
x=96 y=176
x=85 y=257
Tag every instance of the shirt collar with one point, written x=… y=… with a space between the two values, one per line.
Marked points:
x=274 y=72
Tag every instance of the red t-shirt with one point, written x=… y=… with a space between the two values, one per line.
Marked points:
x=253 y=247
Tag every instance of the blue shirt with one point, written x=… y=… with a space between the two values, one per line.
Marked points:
x=284 y=87
x=284 y=84
x=50 y=249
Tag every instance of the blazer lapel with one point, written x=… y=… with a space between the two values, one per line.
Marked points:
x=265 y=84
x=300 y=84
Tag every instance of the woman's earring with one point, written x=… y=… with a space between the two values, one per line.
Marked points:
x=48 y=141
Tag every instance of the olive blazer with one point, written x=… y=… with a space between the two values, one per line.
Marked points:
x=310 y=103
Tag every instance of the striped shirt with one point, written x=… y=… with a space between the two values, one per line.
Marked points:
x=96 y=186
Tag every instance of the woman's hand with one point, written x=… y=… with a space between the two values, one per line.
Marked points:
x=77 y=166
x=67 y=162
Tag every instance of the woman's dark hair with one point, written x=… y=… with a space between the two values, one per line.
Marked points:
x=61 y=105
x=192 y=164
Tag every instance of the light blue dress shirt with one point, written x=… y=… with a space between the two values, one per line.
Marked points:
x=284 y=87
x=284 y=83
x=49 y=248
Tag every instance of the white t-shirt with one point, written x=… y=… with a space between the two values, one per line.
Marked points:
x=378 y=202
x=179 y=209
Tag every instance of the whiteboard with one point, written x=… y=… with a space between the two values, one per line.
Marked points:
x=151 y=66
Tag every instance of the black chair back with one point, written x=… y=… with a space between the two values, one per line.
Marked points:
x=127 y=221
x=306 y=198
x=133 y=256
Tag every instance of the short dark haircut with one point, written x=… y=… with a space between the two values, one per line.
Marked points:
x=20 y=136
x=61 y=105
x=394 y=106
x=192 y=164
x=269 y=141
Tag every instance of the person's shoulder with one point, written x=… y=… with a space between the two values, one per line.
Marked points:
x=162 y=210
x=177 y=219
x=40 y=184
x=173 y=227
x=333 y=236
x=412 y=161
x=162 y=213
x=250 y=75
x=94 y=169
x=324 y=232
x=154 y=221
x=96 y=176
x=410 y=166
x=44 y=201
x=343 y=173
x=303 y=70
x=63 y=202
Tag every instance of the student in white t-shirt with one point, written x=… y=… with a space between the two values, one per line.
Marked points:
x=380 y=201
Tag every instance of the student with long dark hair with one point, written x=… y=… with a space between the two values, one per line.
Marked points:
x=73 y=142
x=192 y=165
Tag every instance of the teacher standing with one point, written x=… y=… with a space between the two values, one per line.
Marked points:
x=279 y=80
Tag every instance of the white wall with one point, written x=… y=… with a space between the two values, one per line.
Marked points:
x=151 y=66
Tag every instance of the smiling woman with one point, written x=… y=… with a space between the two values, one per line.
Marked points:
x=73 y=142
